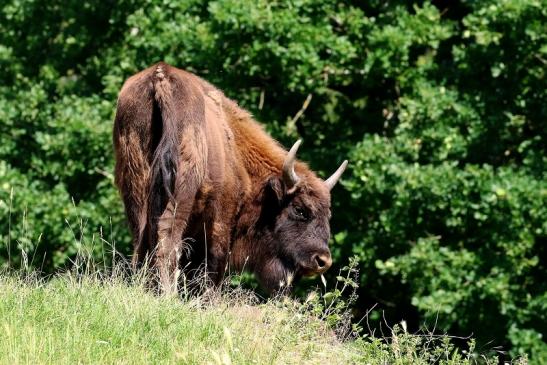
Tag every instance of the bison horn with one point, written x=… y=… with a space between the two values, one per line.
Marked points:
x=289 y=175
x=331 y=181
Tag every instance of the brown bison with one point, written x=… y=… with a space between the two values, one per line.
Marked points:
x=199 y=176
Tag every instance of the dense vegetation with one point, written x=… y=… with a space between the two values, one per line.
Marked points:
x=441 y=108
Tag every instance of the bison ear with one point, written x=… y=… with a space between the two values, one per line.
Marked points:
x=275 y=191
x=272 y=200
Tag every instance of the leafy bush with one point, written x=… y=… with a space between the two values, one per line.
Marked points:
x=441 y=108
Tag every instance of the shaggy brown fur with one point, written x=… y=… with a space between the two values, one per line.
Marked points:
x=195 y=170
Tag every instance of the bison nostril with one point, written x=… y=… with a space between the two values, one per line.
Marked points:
x=320 y=262
x=323 y=261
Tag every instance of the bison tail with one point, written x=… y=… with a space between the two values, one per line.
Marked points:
x=165 y=144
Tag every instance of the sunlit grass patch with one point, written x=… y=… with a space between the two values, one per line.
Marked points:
x=69 y=320
x=92 y=318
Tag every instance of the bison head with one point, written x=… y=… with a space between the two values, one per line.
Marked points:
x=294 y=227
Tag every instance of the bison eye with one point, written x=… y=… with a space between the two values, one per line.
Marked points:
x=299 y=213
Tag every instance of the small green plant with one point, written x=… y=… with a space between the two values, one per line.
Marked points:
x=333 y=306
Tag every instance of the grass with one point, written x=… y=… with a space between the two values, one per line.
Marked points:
x=68 y=321
x=93 y=319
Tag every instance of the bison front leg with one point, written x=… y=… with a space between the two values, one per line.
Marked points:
x=218 y=248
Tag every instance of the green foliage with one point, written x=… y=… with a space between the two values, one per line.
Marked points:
x=441 y=109
x=333 y=307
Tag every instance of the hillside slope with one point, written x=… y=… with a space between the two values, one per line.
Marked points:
x=70 y=320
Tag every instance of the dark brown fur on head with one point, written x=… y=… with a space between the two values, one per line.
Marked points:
x=292 y=232
x=190 y=163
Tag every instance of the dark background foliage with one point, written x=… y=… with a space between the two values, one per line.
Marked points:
x=441 y=108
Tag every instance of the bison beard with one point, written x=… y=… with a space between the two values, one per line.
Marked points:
x=191 y=164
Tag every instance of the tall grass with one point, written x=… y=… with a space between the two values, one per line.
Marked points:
x=89 y=315
x=87 y=319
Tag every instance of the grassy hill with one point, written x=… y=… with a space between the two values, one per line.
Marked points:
x=88 y=319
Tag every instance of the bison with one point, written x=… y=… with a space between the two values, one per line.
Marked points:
x=199 y=175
